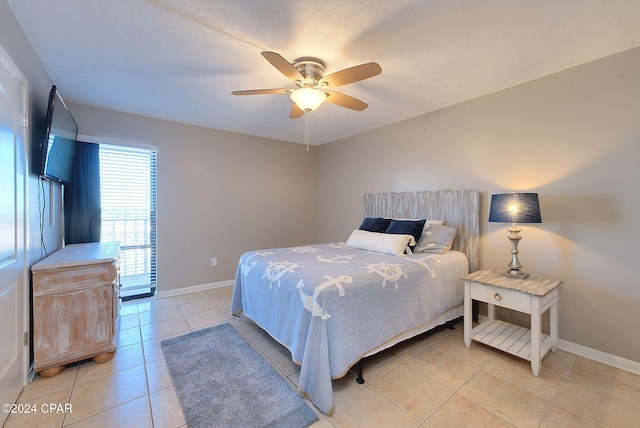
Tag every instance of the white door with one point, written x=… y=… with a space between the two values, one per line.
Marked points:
x=13 y=271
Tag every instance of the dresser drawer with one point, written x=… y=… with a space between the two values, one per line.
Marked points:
x=511 y=299
x=59 y=280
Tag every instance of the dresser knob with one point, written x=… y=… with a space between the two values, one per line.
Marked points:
x=497 y=296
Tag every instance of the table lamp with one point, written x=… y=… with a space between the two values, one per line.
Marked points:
x=515 y=208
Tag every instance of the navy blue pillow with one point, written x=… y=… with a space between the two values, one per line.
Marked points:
x=378 y=224
x=407 y=227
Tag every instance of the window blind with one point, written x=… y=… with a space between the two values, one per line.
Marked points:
x=128 y=204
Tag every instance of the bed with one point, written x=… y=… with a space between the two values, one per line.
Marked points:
x=333 y=304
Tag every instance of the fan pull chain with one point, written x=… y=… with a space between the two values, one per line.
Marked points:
x=306 y=128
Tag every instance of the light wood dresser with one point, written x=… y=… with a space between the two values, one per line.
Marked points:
x=75 y=306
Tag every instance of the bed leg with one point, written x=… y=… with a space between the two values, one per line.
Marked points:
x=451 y=325
x=360 y=379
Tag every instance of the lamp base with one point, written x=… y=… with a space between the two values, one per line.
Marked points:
x=514 y=267
x=515 y=273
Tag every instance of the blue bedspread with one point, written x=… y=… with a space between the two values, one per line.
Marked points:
x=330 y=304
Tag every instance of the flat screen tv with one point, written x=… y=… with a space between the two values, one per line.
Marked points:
x=59 y=145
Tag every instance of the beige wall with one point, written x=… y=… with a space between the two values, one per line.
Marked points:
x=573 y=137
x=219 y=194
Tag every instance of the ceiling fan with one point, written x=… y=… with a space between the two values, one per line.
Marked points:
x=313 y=85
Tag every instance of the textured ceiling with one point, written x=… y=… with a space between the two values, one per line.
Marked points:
x=179 y=61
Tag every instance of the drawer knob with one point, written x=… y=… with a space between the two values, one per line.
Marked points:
x=497 y=296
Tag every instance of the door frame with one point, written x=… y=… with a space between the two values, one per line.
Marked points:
x=22 y=223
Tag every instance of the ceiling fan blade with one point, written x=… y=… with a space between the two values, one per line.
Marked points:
x=296 y=112
x=346 y=101
x=262 y=91
x=351 y=75
x=283 y=66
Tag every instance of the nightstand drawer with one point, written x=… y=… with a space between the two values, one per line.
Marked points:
x=504 y=297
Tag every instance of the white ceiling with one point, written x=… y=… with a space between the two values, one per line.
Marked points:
x=179 y=61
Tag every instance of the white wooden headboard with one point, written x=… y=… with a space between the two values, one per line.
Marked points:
x=456 y=208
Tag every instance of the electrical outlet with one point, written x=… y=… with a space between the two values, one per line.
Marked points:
x=214 y=261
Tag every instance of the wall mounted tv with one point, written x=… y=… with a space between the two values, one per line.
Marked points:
x=59 y=146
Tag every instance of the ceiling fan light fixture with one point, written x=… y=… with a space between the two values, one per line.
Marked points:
x=308 y=99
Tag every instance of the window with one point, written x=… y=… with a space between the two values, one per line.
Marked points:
x=128 y=204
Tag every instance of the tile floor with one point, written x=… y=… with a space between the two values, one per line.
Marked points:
x=428 y=381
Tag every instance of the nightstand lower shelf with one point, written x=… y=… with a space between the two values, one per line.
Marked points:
x=509 y=338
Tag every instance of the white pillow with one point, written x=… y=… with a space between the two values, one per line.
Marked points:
x=435 y=238
x=386 y=243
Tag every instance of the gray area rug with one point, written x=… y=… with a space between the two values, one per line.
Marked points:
x=221 y=381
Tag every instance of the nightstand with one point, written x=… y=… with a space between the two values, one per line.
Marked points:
x=533 y=295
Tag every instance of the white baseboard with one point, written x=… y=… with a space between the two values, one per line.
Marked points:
x=193 y=289
x=601 y=357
